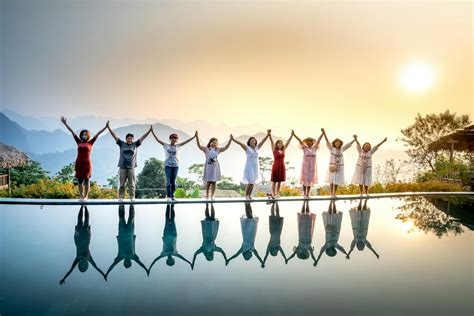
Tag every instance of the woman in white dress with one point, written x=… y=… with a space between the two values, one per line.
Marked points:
x=360 y=217
x=251 y=169
x=332 y=220
x=363 y=171
x=335 y=173
x=212 y=169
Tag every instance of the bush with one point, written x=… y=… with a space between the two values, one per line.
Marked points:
x=427 y=186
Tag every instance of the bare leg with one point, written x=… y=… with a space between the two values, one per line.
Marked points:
x=81 y=190
x=213 y=190
x=278 y=187
x=250 y=190
x=87 y=188
x=335 y=188
x=208 y=184
x=361 y=189
x=273 y=189
x=366 y=188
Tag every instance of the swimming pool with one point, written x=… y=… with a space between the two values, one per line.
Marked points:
x=424 y=245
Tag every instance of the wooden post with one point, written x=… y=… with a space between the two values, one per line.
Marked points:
x=9 y=183
x=451 y=149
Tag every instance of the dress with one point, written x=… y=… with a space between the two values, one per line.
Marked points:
x=249 y=232
x=363 y=171
x=336 y=159
x=251 y=166
x=305 y=230
x=275 y=226
x=332 y=226
x=83 y=164
x=360 y=224
x=210 y=229
x=278 y=167
x=212 y=169
x=309 y=172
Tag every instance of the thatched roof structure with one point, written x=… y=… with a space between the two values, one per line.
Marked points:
x=10 y=157
x=461 y=140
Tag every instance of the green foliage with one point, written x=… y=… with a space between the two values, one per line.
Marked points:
x=113 y=182
x=152 y=176
x=197 y=170
x=444 y=169
x=185 y=183
x=66 y=174
x=265 y=164
x=227 y=184
x=29 y=174
x=418 y=136
x=428 y=186
x=180 y=193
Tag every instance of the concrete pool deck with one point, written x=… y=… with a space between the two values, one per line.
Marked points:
x=225 y=200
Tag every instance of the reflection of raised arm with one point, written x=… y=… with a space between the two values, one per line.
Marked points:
x=97 y=268
x=244 y=147
x=312 y=256
x=372 y=249
x=183 y=258
x=264 y=139
x=222 y=149
x=282 y=253
x=187 y=140
x=154 y=261
x=74 y=264
x=219 y=249
x=258 y=257
x=64 y=121
x=201 y=147
x=292 y=255
x=199 y=251
x=112 y=266
x=162 y=143
x=353 y=243
x=323 y=248
x=112 y=133
x=146 y=134
x=235 y=256
x=137 y=260
x=342 y=250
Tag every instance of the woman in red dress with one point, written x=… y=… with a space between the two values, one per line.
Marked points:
x=83 y=164
x=278 y=167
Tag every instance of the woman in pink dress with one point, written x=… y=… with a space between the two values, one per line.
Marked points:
x=278 y=168
x=309 y=172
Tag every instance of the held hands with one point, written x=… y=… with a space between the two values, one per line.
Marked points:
x=355 y=136
x=323 y=131
x=269 y=131
x=63 y=119
x=385 y=139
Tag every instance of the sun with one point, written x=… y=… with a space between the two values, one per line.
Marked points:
x=418 y=77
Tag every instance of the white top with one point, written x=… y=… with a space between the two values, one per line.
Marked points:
x=171 y=155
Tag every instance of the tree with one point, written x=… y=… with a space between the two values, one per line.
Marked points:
x=66 y=174
x=152 y=176
x=418 y=136
x=227 y=183
x=392 y=170
x=265 y=166
x=197 y=170
x=185 y=183
x=28 y=174
x=113 y=181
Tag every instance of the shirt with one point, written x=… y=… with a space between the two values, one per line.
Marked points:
x=171 y=155
x=128 y=154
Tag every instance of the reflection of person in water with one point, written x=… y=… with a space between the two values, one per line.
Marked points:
x=248 y=225
x=126 y=240
x=210 y=228
x=82 y=239
x=332 y=220
x=169 y=238
x=275 y=224
x=306 y=221
x=360 y=217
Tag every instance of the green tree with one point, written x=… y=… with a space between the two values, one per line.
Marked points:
x=427 y=129
x=265 y=166
x=185 y=183
x=197 y=170
x=227 y=183
x=28 y=174
x=66 y=174
x=152 y=176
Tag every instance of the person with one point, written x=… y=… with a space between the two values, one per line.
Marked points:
x=171 y=161
x=251 y=169
x=306 y=221
x=278 y=174
x=275 y=225
x=363 y=171
x=335 y=172
x=127 y=161
x=248 y=225
x=210 y=228
x=332 y=220
x=83 y=163
x=170 y=236
x=212 y=169
x=82 y=239
x=126 y=240
x=360 y=218
x=309 y=169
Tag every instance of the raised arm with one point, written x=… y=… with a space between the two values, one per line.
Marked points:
x=141 y=139
x=137 y=260
x=154 y=261
x=342 y=250
x=347 y=146
x=187 y=140
x=319 y=139
x=259 y=258
x=98 y=133
x=201 y=147
x=282 y=253
x=353 y=243
x=244 y=147
x=328 y=144
x=298 y=139
x=184 y=259
x=64 y=121
x=199 y=251
x=162 y=143
x=323 y=248
x=234 y=256
x=112 y=132
x=222 y=149
x=272 y=143
x=292 y=255
x=74 y=264
x=372 y=249
x=219 y=249
x=264 y=139
x=288 y=141
x=359 y=148
x=112 y=266
x=378 y=145
x=312 y=256
x=97 y=268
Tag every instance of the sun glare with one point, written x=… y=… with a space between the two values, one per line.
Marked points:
x=417 y=77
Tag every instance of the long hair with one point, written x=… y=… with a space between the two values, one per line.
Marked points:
x=337 y=140
x=210 y=141
x=279 y=142
x=250 y=138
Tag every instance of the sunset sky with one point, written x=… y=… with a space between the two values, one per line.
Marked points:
x=283 y=65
